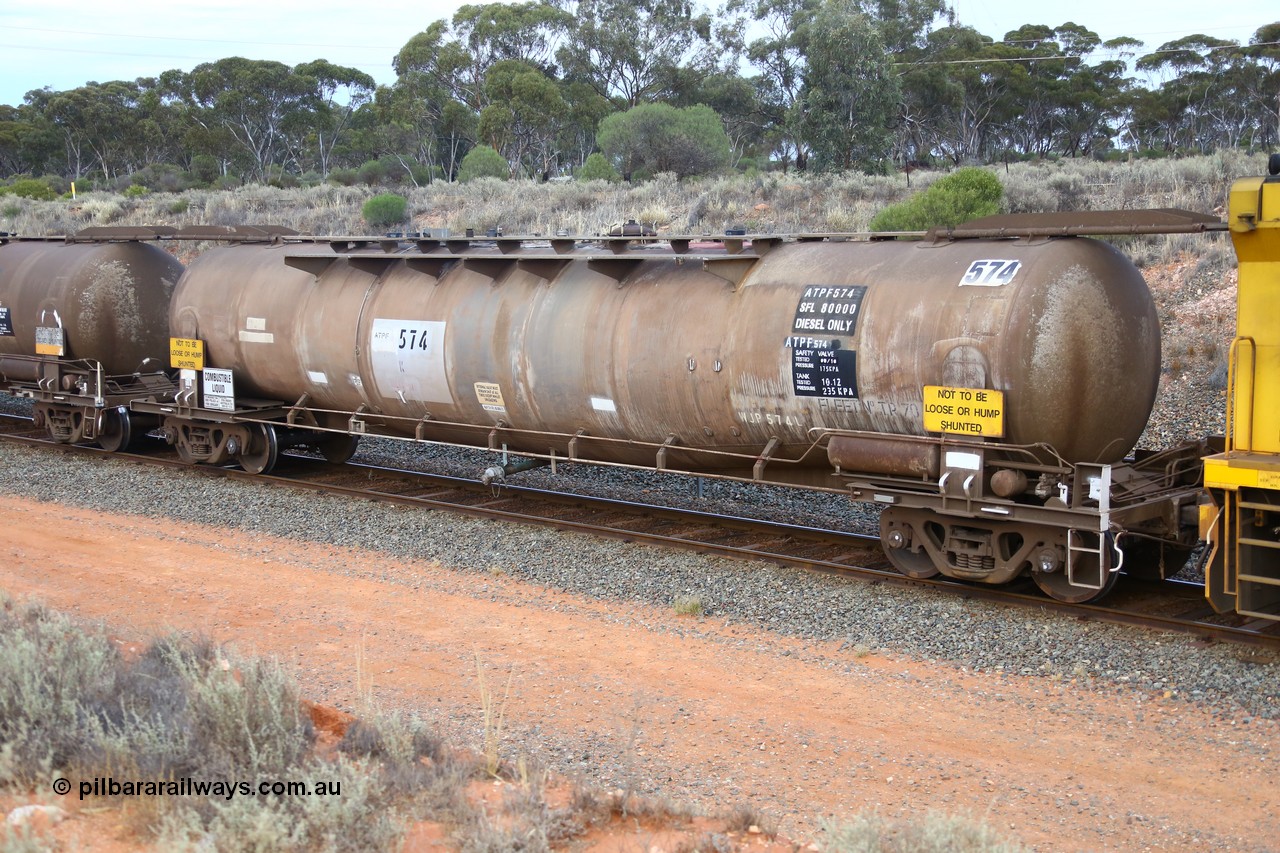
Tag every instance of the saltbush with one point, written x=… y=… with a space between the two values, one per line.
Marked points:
x=965 y=194
x=384 y=210
x=33 y=188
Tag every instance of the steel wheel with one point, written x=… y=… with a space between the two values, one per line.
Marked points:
x=897 y=537
x=1090 y=567
x=338 y=448
x=262 y=452
x=115 y=432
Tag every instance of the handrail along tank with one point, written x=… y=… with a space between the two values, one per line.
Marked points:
x=646 y=348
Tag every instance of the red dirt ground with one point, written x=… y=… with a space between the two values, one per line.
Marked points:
x=728 y=713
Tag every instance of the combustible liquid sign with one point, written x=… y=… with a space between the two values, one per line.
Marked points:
x=967 y=411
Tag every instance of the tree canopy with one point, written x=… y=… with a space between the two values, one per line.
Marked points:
x=674 y=86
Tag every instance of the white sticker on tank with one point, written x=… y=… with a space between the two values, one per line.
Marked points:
x=990 y=273
x=603 y=404
x=408 y=360
x=256 y=324
x=489 y=395
x=257 y=337
x=964 y=461
x=317 y=377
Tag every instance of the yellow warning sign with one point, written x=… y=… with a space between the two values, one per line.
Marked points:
x=186 y=354
x=968 y=411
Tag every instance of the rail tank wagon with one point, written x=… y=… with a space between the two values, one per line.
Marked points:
x=611 y=355
x=105 y=302
x=79 y=322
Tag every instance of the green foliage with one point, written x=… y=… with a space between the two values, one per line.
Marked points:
x=204 y=168
x=161 y=177
x=344 y=177
x=483 y=161
x=384 y=210
x=850 y=95
x=372 y=173
x=654 y=138
x=963 y=195
x=32 y=188
x=597 y=168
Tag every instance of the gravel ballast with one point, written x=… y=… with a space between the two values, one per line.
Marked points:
x=1237 y=682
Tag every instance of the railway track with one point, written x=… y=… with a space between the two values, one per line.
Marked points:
x=1168 y=606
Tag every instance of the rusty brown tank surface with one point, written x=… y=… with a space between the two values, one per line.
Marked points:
x=654 y=348
x=107 y=302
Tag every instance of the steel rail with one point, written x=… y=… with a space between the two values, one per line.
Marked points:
x=432 y=491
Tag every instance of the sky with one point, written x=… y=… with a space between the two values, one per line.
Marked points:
x=63 y=45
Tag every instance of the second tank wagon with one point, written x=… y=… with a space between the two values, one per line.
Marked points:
x=716 y=357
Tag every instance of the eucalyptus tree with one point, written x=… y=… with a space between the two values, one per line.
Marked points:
x=339 y=92
x=805 y=47
x=1199 y=104
x=778 y=57
x=954 y=96
x=246 y=108
x=101 y=127
x=28 y=142
x=637 y=51
x=524 y=116
x=850 y=94
x=1264 y=50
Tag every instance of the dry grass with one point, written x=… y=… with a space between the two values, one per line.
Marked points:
x=72 y=706
x=769 y=202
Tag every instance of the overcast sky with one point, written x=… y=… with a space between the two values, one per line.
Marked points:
x=63 y=44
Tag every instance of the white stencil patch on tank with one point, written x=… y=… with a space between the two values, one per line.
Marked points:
x=408 y=360
x=990 y=273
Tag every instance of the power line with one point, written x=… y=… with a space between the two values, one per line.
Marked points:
x=346 y=45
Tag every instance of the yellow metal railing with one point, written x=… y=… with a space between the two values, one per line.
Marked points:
x=1236 y=438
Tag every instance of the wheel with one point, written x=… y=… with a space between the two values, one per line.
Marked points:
x=338 y=448
x=1091 y=570
x=897 y=536
x=263 y=450
x=115 y=432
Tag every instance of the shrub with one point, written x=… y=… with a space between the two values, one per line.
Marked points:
x=372 y=173
x=933 y=833
x=688 y=605
x=483 y=162
x=654 y=138
x=963 y=195
x=384 y=210
x=204 y=168
x=597 y=168
x=33 y=188
x=343 y=177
